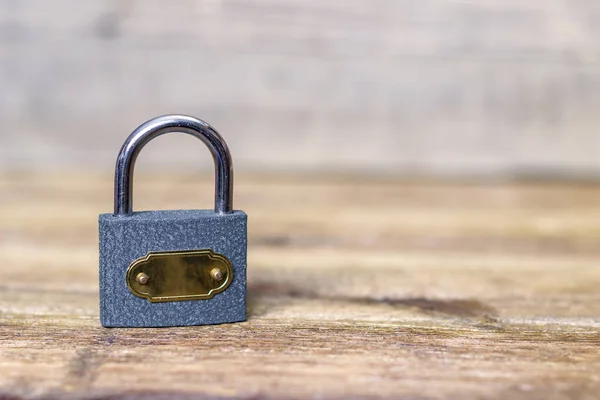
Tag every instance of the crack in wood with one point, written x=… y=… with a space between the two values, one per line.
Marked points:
x=462 y=308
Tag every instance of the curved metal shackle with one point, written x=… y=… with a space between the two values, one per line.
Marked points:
x=166 y=124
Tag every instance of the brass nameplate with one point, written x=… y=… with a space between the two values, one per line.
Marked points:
x=179 y=275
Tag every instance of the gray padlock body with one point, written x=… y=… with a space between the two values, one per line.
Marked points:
x=124 y=239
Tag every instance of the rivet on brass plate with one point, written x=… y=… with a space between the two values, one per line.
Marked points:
x=142 y=278
x=216 y=274
x=179 y=275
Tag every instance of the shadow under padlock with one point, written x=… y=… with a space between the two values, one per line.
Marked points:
x=173 y=268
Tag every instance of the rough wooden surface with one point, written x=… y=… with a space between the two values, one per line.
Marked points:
x=357 y=289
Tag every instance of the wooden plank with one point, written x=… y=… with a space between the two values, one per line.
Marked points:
x=432 y=87
x=357 y=289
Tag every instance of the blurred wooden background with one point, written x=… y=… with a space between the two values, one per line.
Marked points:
x=442 y=87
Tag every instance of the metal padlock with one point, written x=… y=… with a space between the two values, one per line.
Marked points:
x=173 y=268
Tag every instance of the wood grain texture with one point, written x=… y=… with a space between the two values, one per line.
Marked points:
x=357 y=289
x=429 y=87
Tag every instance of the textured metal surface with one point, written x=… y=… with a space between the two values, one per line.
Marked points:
x=159 y=126
x=124 y=239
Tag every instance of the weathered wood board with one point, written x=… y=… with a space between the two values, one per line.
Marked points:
x=357 y=289
x=443 y=87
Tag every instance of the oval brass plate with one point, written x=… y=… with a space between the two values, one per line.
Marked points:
x=179 y=275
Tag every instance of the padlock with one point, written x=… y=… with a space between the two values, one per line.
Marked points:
x=173 y=268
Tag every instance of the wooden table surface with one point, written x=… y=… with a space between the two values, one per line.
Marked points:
x=357 y=289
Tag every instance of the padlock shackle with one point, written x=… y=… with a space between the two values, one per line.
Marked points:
x=166 y=124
